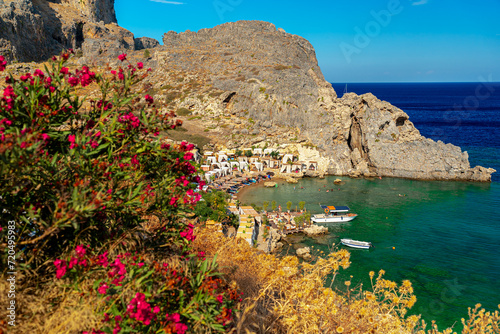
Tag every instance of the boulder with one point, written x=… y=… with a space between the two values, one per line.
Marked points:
x=315 y=230
x=304 y=253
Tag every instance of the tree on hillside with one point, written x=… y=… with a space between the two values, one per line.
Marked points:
x=301 y=205
x=288 y=205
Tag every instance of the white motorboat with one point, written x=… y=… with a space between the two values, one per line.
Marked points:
x=334 y=214
x=356 y=243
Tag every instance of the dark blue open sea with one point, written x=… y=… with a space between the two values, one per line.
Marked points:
x=442 y=236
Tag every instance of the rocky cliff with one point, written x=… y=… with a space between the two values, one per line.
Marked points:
x=38 y=29
x=272 y=78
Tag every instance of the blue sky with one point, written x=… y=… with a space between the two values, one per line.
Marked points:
x=355 y=40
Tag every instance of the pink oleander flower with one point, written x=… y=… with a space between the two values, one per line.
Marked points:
x=149 y=99
x=60 y=268
x=134 y=160
x=220 y=299
x=73 y=262
x=64 y=70
x=140 y=65
x=122 y=57
x=38 y=73
x=140 y=310
x=73 y=81
x=3 y=64
x=188 y=156
x=181 y=328
x=45 y=136
x=98 y=134
x=23 y=144
x=175 y=317
x=80 y=251
x=103 y=288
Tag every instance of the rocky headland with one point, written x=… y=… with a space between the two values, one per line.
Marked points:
x=242 y=84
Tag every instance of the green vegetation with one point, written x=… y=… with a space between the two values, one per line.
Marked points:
x=146 y=54
x=213 y=206
x=273 y=205
x=288 y=205
x=302 y=204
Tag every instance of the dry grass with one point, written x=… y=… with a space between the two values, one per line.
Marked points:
x=52 y=308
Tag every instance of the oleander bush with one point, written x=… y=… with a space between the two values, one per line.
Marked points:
x=99 y=202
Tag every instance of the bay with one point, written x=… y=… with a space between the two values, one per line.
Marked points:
x=442 y=236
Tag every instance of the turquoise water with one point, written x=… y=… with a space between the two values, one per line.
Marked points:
x=446 y=236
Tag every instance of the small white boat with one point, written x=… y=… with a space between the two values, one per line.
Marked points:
x=334 y=214
x=356 y=243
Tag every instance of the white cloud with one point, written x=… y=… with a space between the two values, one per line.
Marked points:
x=169 y=2
x=418 y=3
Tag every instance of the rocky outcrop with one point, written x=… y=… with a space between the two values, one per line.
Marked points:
x=304 y=253
x=53 y=26
x=315 y=230
x=145 y=43
x=272 y=77
x=95 y=10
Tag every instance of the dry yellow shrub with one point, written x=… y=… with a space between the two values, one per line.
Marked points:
x=289 y=296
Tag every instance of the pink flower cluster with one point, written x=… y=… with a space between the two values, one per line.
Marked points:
x=185 y=146
x=8 y=97
x=180 y=328
x=3 y=63
x=72 y=140
x=140 y=310
x=84 y=76
x=79 y=260
x=60 y=268
x=130 y=120
x=117 y=272
x=188 y=233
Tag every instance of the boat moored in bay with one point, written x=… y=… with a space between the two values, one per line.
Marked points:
x=356 y=243
x=334 y=214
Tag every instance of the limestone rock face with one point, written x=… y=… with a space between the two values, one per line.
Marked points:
x=95 y=10
x=36 y=30
x=273 y=78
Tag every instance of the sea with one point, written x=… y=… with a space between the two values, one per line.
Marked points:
x=443 y=236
